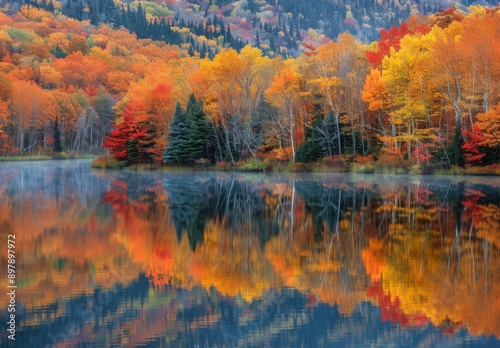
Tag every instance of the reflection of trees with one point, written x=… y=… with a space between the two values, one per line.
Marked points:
x=188 y=318
x=224 y=215
x=431 y=245
x=436 y=258
x=240 y=205
x=63 y=232
x=326 y=204
x=191 y=203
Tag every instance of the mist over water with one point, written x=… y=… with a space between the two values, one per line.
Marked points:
x=157 y=259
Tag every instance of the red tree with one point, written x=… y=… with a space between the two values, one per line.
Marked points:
x=471 y=146
x=133 y=140
x=116 y=141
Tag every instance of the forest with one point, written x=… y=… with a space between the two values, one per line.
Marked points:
x=425 y=96
x=280 y=27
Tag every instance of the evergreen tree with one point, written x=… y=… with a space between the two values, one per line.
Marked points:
x=455 y=151
x=312 y=150
x=228 y=38
x=199 y=132
x=58 y=52
x=132 y=151
x=57 y=137
x=178 y=138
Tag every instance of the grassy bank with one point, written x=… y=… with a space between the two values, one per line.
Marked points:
x=24 y=158
x=327 y=165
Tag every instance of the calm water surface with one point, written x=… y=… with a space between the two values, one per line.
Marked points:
x=127 y=259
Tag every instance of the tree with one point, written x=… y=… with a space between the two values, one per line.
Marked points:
x=455 y=150
x=489 y=124
x=77 y=44
x=472 y=142
x=58 y=52
x=57 y=138
x=133 y=139
x=198 y=129
x=116 y=142
x=312 y=150
x=407 y=74
x=178 y=137
x=283 y=91
x=339 y=71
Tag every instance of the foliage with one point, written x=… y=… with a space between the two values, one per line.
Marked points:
x=455 y=150
x=178 y=137
x=106 y=162
x=188 y=134
x=425 y=97
x=312 y=150
x=252 y=165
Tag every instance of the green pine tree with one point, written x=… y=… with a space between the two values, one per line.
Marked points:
x=312 y=149
x=178 y=138
x=455 y=151
x=199 y=131
x=132 y=151
x=57 y=138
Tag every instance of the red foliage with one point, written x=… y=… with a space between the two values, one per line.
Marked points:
x=391 y=38
x=423 y=153
x=116 y=141
x=391 y=309
x=133 y=139
x=471 y=145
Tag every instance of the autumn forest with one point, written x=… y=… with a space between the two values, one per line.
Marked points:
x=258 y=173
x=425 y=96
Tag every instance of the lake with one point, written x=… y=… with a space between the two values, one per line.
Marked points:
x=156 y=259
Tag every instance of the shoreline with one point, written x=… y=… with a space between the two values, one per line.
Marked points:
x=104 y=163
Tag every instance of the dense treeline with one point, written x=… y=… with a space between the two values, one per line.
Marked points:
x=276 y=27
x=425 y=95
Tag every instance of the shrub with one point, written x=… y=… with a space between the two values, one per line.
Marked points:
x=364 y=159
x=105 y=162
x=251 y=165
x=336 y=161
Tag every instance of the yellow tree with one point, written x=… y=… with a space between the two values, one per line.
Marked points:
x=375 y=94
x=231 y=86
x=407 y=74
x=340 y=69
x=283 y=92
x=31 y=108
x=480 y=43
x=489 y=124
x=451 y=68
x=217 y=82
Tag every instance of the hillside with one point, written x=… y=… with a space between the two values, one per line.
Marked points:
x=277 y=27
x=424 y=97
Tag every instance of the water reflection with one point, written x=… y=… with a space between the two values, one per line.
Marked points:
x=191 y=259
